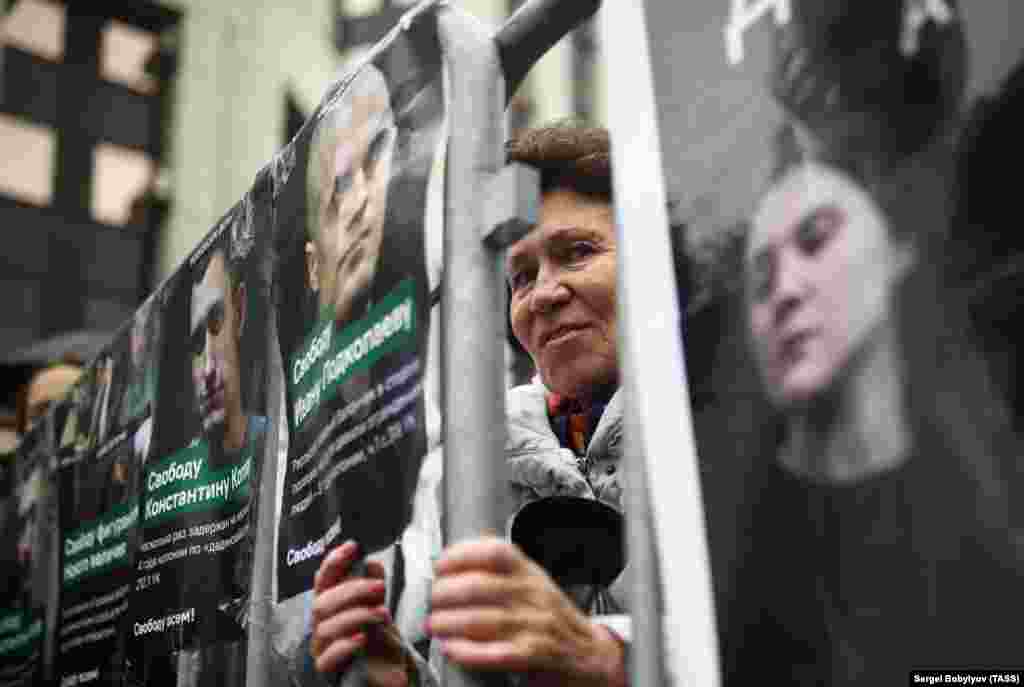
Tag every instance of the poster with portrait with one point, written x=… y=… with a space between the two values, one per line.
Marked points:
x=197 y=518
x=102 y=434
x=353 y=303
x=852 y=375
x=23 y=594
x=8 y=526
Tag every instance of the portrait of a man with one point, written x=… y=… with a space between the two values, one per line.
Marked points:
x=140 y=386
x=28 y=519
x=218 y=316
x=346 y=191
x=355 y=248
x=104 y=413
x=23 y=562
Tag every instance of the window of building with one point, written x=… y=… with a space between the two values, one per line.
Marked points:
x=27 y=171
x=37 y=27
x=83 y=118
x=124 y=52
x=360 y=8
x=120 y=176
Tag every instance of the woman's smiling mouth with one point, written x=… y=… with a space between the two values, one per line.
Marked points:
x=558 y=334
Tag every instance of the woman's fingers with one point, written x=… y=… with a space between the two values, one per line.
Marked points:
x=334 y=566
x=337 y=654
x=474 y=588
x=492 y=608
x=351 y=592
x=482 y=624
x=484 y=554
x=348 y=623
x=517 y=655
x=553 y=651
x=337 y=565
x=375 y=569
x=346 y=608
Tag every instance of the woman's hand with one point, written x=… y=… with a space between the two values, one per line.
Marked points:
x=349 y=618
x=493 y=608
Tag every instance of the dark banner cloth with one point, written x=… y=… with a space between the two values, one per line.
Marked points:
x=855 y=380
x=199 y=485
x=353 y=307
x=101 y=436
x=23 y=592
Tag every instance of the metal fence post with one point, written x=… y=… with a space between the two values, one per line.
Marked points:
x=658 y=409
x=472 y=296
x=261 y=600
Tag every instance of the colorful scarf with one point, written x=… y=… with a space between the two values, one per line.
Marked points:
x=574 y=422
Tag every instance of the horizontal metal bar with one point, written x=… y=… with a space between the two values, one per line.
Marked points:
x=533 y=29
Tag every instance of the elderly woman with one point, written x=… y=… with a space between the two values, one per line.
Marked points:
x=492 y=607
x=878 y=530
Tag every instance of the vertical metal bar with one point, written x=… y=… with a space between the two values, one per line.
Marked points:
x=261 y=598
x=647 y=659
x=657 y=402
x=472 y=302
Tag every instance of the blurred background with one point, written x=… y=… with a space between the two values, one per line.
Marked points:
x=129 y=126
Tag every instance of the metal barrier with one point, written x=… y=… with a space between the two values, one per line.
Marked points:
x=472 y=302
x=658 y=419
x=484 y=69
x=674 y=633
x=664 y=484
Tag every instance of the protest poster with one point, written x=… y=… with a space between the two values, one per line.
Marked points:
x=23 y=559
x=101 y=434
x=353 y=313
x=853 y=378
x=353 y=303
x=190 y=603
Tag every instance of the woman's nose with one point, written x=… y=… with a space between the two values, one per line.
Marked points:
x=549 y=292
x=791 y=286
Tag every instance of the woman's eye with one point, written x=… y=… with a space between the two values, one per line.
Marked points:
x=580 y=249
x=817 y=229
x=520 y=279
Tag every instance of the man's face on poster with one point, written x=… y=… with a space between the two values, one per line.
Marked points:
x=28 y=499
x=26 y=537
x=353 y=165
x=216 y=322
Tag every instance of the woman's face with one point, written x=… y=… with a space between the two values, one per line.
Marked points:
x=562 y=276
x=820 y=270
